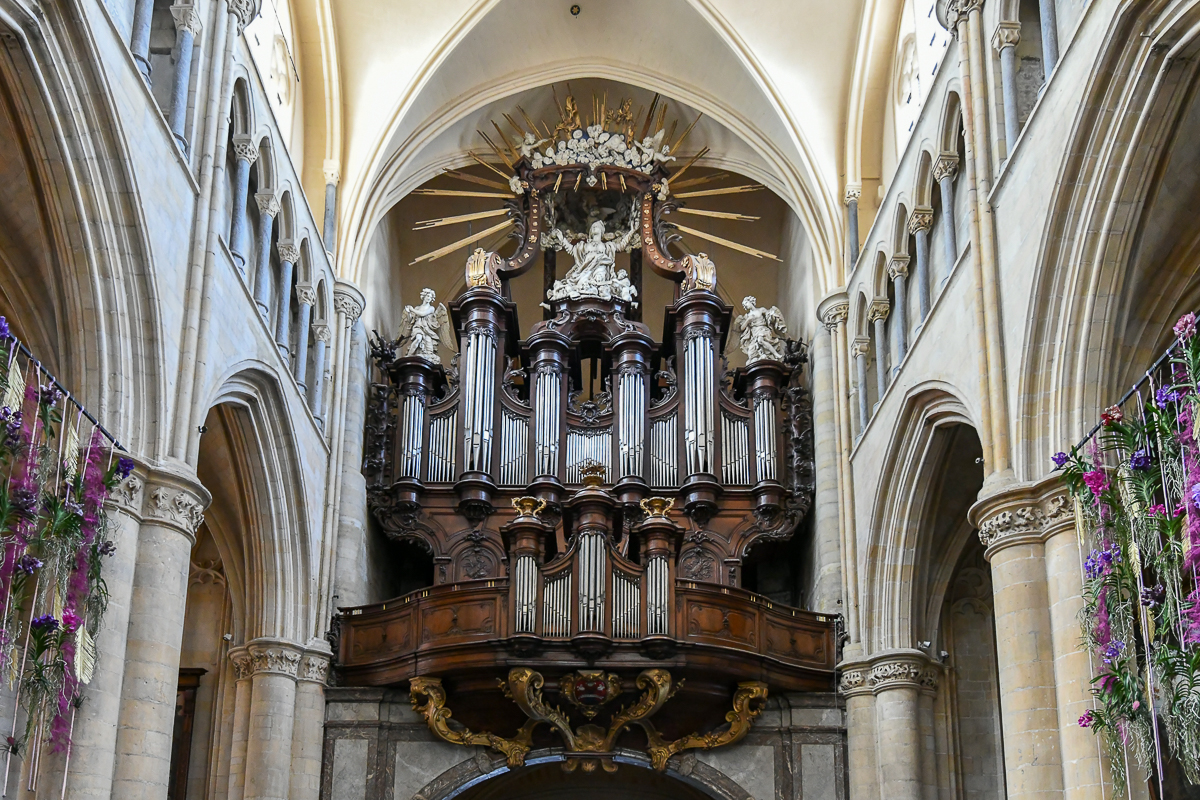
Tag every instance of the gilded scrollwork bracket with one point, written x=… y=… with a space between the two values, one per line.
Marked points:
x=748 y=703
x=437 y=717
x=590 y=745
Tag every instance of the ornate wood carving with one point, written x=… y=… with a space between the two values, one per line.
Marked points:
x=587 y=746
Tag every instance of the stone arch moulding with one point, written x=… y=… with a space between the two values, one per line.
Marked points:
x=686 y=769
x=279 y=550
x=390 y=162
x=900 y=506
x=1097 y=216
x=99 y=254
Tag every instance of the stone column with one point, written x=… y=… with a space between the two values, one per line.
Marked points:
x=246 y=153
x=350 y=574
x=919 y=223
x=898 y=270
x=187 y=26
x=1005 y=40
x=268 y=209
x=274 y=664
x=139 y=40
x=289 y=254
x=1083 y=768
x=927 y=732
x=853 y=192
x=827 y=579
x=306 y=296
x=944 y=170
x=333 y=177
x=1011 y=528
x=860 y=732
x=309 y=731
x=316 y=385
x=859 y=349
x=1049 y=24
x=878 y=317
x=95 y=738
x=897 y=679
x=239 y=740
x=172 y=511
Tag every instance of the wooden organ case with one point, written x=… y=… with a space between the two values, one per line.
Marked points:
x=586 y=552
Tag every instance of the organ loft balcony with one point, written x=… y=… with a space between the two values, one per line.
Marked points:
x=588 y=497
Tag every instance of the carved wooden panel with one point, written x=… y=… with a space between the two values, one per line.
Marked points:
x=721 y=624
x=460 y=620
x=384 y=638
x=795 y=644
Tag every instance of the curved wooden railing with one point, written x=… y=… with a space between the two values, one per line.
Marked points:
x=466 y=628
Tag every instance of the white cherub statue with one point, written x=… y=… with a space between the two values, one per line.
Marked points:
x=761 y=332
x=423 y=328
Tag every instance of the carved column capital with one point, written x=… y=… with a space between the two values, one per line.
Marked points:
x=968 y=6
x=861 y=346
x=910 y=669
x=879 y=310
x=268 y=203
x=314 y=667
x=898 y=266
x=1023 y=514
x=321 y=332
x=1008 y=34
x=129 y=495
x=853 y=193
x=245 y=11
x=854 y=679
x=921 y=219
x=306 y=294
x=245 y=148
x=274 y=657
x=333 y=172
x=833 y=310
x=187 y=18
x=348 y=300
x=240 y=658
x=835 y=315
x=175 y=500
x=289 y=252
x=946 y=166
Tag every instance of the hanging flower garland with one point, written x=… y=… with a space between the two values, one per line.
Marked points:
x=53 y=540
x=1136 y=487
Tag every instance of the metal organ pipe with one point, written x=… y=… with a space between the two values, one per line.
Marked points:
x=480 y=383
x=526 y=580
x=592 y=558
x=765 y=435
x=546 y=411
x=698 y=399
x=657 y=598
x=412 y=420
x=631 y=430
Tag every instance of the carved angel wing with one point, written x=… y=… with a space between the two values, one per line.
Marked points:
x=445 y=332
x=406 y=324
x=778 y=325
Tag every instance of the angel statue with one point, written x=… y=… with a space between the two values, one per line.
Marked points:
x=761 y=332
x=594 y=271
x=423 y=328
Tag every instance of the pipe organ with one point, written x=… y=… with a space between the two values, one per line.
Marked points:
x=589 y=491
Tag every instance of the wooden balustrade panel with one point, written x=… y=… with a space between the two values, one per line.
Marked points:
x=722 y=633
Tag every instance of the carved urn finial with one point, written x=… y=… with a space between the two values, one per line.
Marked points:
x=593 y=473
x=658 y=507
x=528 y=506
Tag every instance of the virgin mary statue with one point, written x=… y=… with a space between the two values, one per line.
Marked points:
x=594 y=272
